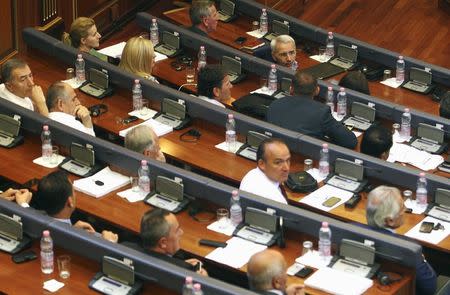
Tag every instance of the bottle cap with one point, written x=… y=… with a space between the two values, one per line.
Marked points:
x=235 y=194
x=342 y=89
x=422 y=174
x=330 y=33
x=273 y=66
x=202 y=47
x=324 y=224
x=45 y=127
x=153 y=20
x=230 y=116
x=46 y=233
x=325 y=145
x=136 y=81
x=264 y=10
x=330 y=88
x=189 y=280
x=400 y=57
x=406 y=110
x=144 y=162
x=197 y=287
x=79 y=56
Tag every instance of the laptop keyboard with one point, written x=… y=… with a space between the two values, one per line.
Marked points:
x=344 y=183
x=172 y=122
x=5 y=140
x=255 y=235
x=222 y=16
x=425 y=145
x=416 y=86
x=358 y=123
x=166 y=50
x=342 y=63
x=249 y=153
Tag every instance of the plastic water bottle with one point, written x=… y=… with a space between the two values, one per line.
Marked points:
x=329 y=51
x=188 y=287
x=324 y=241
x=154 y=32
x=263 y=22
x=144 y=179
x=273 y=80
x=198 y=289
x=79 y=69
x=341 y=103
x=421 y=192
x=235 y=208
x=400 y=70
x=405 y=129
x=230 y=133
x=46 y=144
x=294 y=65
x=324 y=162
x=137 y=95
x=330 y=98
x=201 y=57
x=46 y=252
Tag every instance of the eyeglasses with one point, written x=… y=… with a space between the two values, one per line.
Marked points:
x=288 y=53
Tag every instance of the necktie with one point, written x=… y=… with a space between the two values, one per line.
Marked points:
x=283 y=191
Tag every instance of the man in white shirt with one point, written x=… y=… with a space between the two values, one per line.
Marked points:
x=64 y=107
x=19 y=87
x=273 y=164
x=214 y=85
x=143 y=139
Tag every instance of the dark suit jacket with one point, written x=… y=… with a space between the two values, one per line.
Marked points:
x=304 y=115
x=196 y=30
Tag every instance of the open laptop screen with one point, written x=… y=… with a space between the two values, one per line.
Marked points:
x=363 y=111
x=348 y=168
x=348 y=53
x=420 y=75
x=430 y=132
x=261 y=219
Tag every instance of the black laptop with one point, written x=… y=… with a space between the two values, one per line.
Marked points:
x=233 y=67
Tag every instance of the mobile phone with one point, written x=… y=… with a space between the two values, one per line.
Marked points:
x=353 y=201
x=24 y=256
x=304 y=272
x=426 y=227
x=240 y=40
x=330 y=202
x=198 y=266
x=130 y=119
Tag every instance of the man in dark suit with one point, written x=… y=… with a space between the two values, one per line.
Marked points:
x=302 y=114
x=204 y=17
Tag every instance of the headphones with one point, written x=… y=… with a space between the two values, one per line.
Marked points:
x=385 y=279
x=98 y=109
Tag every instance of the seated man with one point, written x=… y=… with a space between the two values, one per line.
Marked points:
x=20 y=196
x=160 y=236
x=444 y=106
x=204 y=17
x=376 y=142
x=214 y=85
x=284 y=52
x=64 y=107
x=266 y=271
x=55 y=196
x=19 y=87
x=302 y=114
x=143 y=139
x=384 y=212
x=273 y=163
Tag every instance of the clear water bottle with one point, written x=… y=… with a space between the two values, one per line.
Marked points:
x=188 y=287
x=235 y=208
x=198 y=289
x=46 y=144
x=329 y=51
x=400 y=70
x=80 y=69
x=330 y=98
x=405 y=128
x=144 y=178
x=230 y=133
x=324 y=162
x=154 y=32
x=421 y=192
x=263 y=22
x=294 y=65
x=273 y=80
x=341 y=103
x=46 y=252
x=201 y=58
x=325 y=241
x=137 y=95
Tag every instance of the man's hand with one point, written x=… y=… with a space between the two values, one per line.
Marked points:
x=23 y=196
x=295 y=289
x=194 y=261
x=85 y=226
x=110 y=236
x=84 y=115
x=9 y=195
x=38 y=98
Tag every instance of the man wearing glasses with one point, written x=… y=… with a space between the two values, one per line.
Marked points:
x=284 y=52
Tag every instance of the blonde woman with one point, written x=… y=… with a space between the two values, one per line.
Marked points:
x=84 y=36
x=138 y=58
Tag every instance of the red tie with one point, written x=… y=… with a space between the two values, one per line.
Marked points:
x=283 y=191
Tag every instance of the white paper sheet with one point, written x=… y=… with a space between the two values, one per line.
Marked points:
x=313 y=259
x=256 y=33
x=144 y=114
x=74 y=83
x=216 y=226
x=41 y=162
x=317 y=197
x=335 y=116
x=391 y=82
x=319 y=58
x=52 y=285
x=435 y=237
x=223 y=146
x=159 y=56
x=407 y=154
x=314 y=172
x=113 y=50
x=107 y=181
x=132 y=196
x=416 y=209
x=159 y=128
x=263 y=90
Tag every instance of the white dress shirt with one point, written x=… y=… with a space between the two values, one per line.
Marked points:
x=256 y=182
x=71 y=121
x=211 y=100
x=68 y=221
x=24 y=102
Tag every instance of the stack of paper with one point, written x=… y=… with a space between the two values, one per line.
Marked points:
x=159 y=128
x=113 y=50
x=407 y=154
x=319 y=196
x=313 y=259
x=101 y=183
x=217 y=227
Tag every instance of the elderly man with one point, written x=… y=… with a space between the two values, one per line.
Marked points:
x=19 y=87
x=204 y=17
x=143 y=139
x=64 y=107
x=284 y=51
x=214 y=85
x=266 y=273
x=273 y=164
x=384 y=212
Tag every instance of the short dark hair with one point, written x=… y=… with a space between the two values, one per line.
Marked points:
x=355 y=80
x=305 y=84
x=444 y=108
x=53 y=192
x=209 y=77
x=154 y=226
x=376 y=141
x=55 y=91
x=9 y=66
x=199 y=9
x=261 y=152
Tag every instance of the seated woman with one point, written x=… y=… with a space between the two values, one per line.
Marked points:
x=138 y=58
x=355 y=80
x=84 y=36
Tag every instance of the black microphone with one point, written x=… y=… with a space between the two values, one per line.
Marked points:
x=281 y=242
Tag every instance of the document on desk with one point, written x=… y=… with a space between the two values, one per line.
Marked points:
x=435 y=236
x=113 y=50
x=132 y=196
x=224 y=147
x=338 y=282
x=319 y=196
x=407 y=154
x=237 y=252
x=143 y=114
x=159 y=128
x=256 y=33
x=313 y=259
x=391 y=82
x=101 y=183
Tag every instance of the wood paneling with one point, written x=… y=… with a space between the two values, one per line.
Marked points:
x=7 y=24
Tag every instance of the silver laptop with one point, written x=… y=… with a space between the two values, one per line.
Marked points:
x=233 y=68
x=361 y=116
x=226 y=10
x=258 y=226
x=419 y=81
x=170 y=44
x=278 y=28
x=168 y=195
x=429 y=138
x=252 y=142
x=9 y=130
x=285 y=89
x=347 y=175
x=346 y=57
x=12 y=238
x=440 y=209
x=172 y=114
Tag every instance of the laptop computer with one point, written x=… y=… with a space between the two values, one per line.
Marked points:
x=226 y=11
x=81 y=161
x=347 y=175
x=285 y=88
x=168 y=194
x=233 y=67
x=278 y=28
x=9 y=131
x=259 y=227
x=440 y=208
x=419 y=81
x=361 y=116
x=252 y=142
x=173 y=114
x=12 y=237
x=429 y=138
x=169 y=45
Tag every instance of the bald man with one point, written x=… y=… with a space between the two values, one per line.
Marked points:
x=266 y=273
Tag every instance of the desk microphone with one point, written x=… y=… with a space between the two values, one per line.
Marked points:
x=281 y=242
